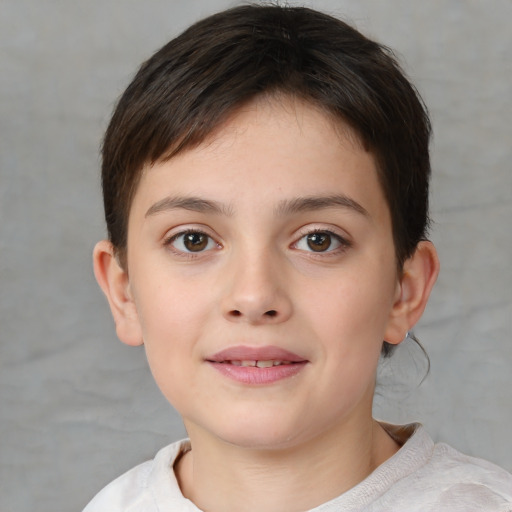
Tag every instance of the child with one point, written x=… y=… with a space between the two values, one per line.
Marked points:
x=265 y=181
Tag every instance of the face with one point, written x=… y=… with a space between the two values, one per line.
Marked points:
x=263 y=273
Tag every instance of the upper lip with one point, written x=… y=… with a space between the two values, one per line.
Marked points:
x=245 y=353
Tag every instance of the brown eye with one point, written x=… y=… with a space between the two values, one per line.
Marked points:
x=319 y=242
x=192 y=241
x=195 y=242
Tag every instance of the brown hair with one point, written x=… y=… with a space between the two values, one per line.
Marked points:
x=191 y=85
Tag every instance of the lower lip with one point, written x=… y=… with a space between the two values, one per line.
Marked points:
x=257 y=376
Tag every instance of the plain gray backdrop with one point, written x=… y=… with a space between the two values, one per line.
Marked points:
x=77 y=407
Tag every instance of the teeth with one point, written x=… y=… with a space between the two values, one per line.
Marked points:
x=258 y=364
x=264 y=364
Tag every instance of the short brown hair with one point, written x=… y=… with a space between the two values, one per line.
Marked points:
x=191 y=85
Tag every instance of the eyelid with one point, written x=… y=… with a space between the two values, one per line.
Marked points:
x=343 y=239
x=175 y=233
x=323 y=228
x=190 y=228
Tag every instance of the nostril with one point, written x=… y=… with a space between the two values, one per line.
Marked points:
x=236 y=313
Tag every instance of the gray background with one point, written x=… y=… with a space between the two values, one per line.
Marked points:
x=77 y=407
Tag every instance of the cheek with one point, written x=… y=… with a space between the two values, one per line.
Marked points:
x=352 y=304
x=172 y=316
x=349 y=318
x=170 y=304
x=169 y=333
x=351 y=321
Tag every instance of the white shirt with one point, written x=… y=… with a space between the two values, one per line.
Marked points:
x=420 y=477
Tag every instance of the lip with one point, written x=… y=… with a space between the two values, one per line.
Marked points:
x=221 y=361
x=244 y=353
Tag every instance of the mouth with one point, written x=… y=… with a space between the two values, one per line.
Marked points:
x=257 y=366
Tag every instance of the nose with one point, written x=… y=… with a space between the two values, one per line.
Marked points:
x=257 y=292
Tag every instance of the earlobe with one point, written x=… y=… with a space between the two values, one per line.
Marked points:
x=114 y=282
x=419 y=276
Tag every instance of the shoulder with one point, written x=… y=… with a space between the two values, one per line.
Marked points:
x=475 y=481
x=126 y=493
x=447 y=480
x=138 y=489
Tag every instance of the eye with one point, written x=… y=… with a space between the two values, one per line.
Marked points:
x=192 y=241
x=320 y=241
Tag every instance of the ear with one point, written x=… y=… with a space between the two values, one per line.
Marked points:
x=114 y=282
x=419 y=275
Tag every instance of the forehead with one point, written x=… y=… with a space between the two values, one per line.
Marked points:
x=269 y=149
x=270 y=113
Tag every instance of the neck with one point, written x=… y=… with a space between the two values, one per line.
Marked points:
x=218 y=476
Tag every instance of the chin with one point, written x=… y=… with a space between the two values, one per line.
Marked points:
x=262 y=442
x=260 y=435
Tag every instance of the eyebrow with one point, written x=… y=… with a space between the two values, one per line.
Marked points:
x=195 y=204
x=285 y=207
x=310 y=203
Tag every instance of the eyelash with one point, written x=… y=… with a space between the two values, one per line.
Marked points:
x=169 y=242
x=344 y=244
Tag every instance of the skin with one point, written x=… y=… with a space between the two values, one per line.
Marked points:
x=295 y=443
